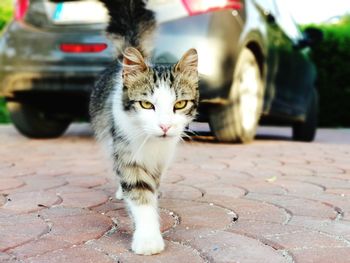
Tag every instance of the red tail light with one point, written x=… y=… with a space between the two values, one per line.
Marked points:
x=196 y=7
x=21 y=7
x=83 y=48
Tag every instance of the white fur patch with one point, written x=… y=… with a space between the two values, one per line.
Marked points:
x=119 y=193
x=147 y=239
x=143 y=128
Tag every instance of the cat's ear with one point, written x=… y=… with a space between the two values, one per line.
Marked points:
x=133 y=62
x=188 y=62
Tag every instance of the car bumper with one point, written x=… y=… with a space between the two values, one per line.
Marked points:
x=31 y=60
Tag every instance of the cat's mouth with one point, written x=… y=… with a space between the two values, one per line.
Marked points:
x=165 y=136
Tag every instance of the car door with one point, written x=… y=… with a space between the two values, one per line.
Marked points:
x=295 y=74
x=266 y=13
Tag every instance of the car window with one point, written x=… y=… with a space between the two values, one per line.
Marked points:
x=285 y=20
x=76 y=12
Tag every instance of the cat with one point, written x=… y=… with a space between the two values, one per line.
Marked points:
x=141 y=110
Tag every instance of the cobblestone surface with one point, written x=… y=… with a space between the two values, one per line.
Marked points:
x=270 y=201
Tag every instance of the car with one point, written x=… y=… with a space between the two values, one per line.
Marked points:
x=254 y=63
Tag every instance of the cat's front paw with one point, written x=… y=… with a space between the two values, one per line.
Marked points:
x=147 y=245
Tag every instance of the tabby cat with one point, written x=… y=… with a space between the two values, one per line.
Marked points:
x=140 y=111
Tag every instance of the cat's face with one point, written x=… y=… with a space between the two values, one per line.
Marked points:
x=161 y=100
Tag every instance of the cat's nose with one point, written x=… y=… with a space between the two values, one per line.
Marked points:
x=164 y=127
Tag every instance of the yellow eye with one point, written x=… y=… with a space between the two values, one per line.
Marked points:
x=180 y=105
x=146 y=105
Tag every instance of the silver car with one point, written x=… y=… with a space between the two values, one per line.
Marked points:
x=253 y=61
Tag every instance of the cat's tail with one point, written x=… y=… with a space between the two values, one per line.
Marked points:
x=131 y=24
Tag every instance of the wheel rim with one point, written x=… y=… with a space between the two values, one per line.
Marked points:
x=248 y=80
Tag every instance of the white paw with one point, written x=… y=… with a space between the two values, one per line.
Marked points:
x=147 y=245
x=119 y=193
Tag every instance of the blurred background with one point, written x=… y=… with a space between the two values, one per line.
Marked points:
x=331 y=56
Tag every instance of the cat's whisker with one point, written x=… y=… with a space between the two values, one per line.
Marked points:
x=191 y=131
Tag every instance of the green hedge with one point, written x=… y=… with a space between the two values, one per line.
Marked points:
x=4 y=117
x=6 y=9
x=332 y=58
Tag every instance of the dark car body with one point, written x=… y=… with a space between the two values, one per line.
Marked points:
x=36 y=70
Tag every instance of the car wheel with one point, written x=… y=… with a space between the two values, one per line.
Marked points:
x=33 y=123
x=238 y=120
x=306 y=131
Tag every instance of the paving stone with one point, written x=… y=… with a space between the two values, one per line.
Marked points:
x=109 y=206
x=263 y=230
x=172 y=254
x=115 y=243
x=192 y=177
x=86 y=181
x=255 y=210
x=340 y=203
x=339 y=191
x=306 y=239
x=299 y=188
x=16 y=172
x=40 y=246
x=69 y=189
x=171 y=177
x=268 y=201
x=263 y=174
x=3 y=200
x=178 y=191
x=83 y=199
x=75 y=225
x=211 y=191
x=6 y=258
x=323 y=181
x=324 y=255
x=263 y=186
x=73 y=255
x=213 y=165
x=297 y=205
x=10 y=183
x=18 y=230
x=39 y=183
x=346 y=216
x=338 y=228
x=223 y=246
x=294 y=171
x=30 y=201
x=196 y=214
x=230 y=176
x=324 y=170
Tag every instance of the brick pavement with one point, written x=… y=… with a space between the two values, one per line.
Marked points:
x=271 y=201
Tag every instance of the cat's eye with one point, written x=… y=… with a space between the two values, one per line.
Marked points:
x=146 y=105
x=180 y=105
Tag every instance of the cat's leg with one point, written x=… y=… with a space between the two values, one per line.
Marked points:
x=141 y=198
x=119 y=193
x=147 y=239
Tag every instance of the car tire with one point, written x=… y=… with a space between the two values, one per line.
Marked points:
x=34 y=123
x=306 y=131
x=237 y=121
